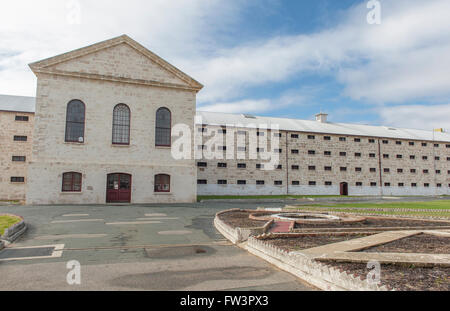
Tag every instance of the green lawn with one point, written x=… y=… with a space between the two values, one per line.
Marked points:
x=7 y=221
x=258 y=197
x=438 y=204
x=412 y=208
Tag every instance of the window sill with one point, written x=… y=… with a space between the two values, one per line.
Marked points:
x=71 y=193
x=163 y=147
x=74 y=143
x=163 y=193
x=120 y=146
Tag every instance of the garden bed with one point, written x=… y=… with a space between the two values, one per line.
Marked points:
x=302 y=242
x=421 y=243
x=404 y=277
x=377 y=223
x=7 y=221
x=240 y=219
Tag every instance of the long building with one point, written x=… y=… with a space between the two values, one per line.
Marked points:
x=115 y=123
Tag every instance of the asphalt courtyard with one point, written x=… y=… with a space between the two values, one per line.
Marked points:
x=135 y=247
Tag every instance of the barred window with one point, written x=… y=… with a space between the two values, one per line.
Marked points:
x=121 y=125
x=163 y=127
x=71 y=182
x=162 y=183
x=75 y=119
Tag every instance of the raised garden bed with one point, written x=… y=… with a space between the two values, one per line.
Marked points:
x=404 y=277
x=421 y=243
x=7 y=221
x=301 y=242
x=378 y=223
x=240 y=219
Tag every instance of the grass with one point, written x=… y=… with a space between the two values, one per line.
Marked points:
x=429 y=205
x=259 y=197
x=7 y=221
x=411 y=208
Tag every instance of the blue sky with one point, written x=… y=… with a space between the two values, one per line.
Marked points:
x=265 y=57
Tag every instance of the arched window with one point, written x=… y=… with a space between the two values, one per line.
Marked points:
x=163 y=127
x=75 y=121
x=71 y=182
x=121 y=125
x=162 y=183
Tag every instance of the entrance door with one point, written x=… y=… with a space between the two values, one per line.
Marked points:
x=344 y=188
x=118 y=188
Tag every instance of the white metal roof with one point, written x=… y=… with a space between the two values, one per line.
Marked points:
x=213 y=118
x=17 y=103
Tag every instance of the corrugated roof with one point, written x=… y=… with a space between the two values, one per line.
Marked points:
x=17 y=103
x=213 y=118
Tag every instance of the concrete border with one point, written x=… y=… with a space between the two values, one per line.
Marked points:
x=14 y=232
x=238 y=235
x=320 y=275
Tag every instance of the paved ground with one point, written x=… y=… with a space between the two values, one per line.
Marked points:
x=152 y=247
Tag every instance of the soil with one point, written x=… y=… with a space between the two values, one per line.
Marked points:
x=422 y=243
x=370 y=222
x=405 y=277
x=240 y=219
x=305 y=242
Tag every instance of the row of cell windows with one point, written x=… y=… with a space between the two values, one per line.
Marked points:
x=314 y=168
x=75 y=124
x=310 y=183
x=326 y=153
x=223 y=130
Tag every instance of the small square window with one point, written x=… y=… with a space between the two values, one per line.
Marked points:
x=373 y=184
x=411 y=143
x=413 y=170
x=343 y=154
x=400 y=170
x=413 y=185
x=278 y=151
x=312 y=183
x=387 y=170
x=222 y=182
x=328 y=168
x=358 y=169
x=295 y=167
x=412 y=157
x=437 y=158
x=372 y=155
x=260 y=182
x=385 y=142
x=373 y=170
x=295 y=136
x=17 y=179
x=387 y=184
x=311 y=152
x=242 y=165
x=296 y=183
x=221 y=165
x=358 y=155
x=385 y=156
x=294 y=151
x=279 y=167
x=436 y=145
x=371 y=141
x=259 y=166
x=399 y=156
x=425 y=158
x=424 y=144
x=343 y=169
x=327 y=138
x=202 y=164
x=327 y=153
x=398 y=142
x=241 y=182
x=311 y=137
x=22 y=118
x=342 y=139
x=279 y=135
x=19 y=159
x=278 y=183
x=311 y=168
x=426 y=171
x=357 y=140
x=359 y=184
x=426 y=185
x=401 y=184
x=20 y=138
x=328 y=183
x=202 y=182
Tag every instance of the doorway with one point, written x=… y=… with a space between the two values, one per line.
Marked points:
x=118 y=188
x=344 y=189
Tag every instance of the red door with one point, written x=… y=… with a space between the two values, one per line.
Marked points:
x=118 y=188
x=344 y=189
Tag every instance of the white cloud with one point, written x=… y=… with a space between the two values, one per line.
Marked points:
x=425 y=117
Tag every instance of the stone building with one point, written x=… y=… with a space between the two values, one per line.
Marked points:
x=319 y=158
x=16 y=124
x=103 y=127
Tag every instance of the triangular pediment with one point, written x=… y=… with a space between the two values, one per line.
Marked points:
x=118 y=59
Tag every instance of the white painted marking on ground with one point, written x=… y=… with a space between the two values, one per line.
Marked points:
x=155 y=215
x=157 y=218
x=57 y=252
x=134 y=223
x=75 y=215
x=76 y=220
x=71 y=236
x=174 y=232
x=278 y=209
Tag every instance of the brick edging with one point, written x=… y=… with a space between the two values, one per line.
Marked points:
x=320 y=275
x=14 y=232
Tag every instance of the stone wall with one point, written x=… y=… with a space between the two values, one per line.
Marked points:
x=9 y=148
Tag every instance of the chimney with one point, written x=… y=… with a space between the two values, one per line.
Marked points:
x=321 y=117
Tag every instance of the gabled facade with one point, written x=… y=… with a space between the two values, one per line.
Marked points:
x=102 y=127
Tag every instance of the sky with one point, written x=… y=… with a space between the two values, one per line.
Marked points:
x=264 y=57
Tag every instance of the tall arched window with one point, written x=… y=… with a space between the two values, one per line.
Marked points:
x=121 y=125
x=163 y=127
x=162 y=183
x=75 y=118
x=71 y=182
